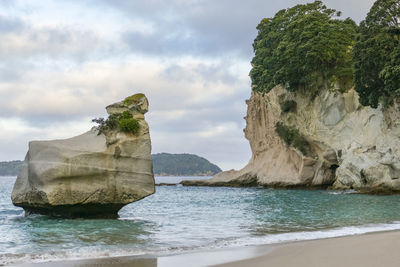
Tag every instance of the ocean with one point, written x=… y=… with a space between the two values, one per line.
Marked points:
x=180 y=219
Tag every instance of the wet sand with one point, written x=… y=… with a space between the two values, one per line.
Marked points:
x=375 y=249
x=193 y=259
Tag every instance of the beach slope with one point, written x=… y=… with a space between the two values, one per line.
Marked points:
x=368 y=250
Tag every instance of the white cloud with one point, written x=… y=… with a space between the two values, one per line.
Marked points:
x=16 y=133
x=62 y=62
x=194 y=108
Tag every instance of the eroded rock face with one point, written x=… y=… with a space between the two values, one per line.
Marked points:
x=354 y=147
x=89 y=175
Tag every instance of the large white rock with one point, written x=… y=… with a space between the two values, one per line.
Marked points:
x=354 y=147
x=89 y=175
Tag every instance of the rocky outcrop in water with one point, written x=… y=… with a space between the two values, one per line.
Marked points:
x=348 y=146
x=90 y=175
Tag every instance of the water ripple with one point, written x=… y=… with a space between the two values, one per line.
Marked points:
x=186 y=218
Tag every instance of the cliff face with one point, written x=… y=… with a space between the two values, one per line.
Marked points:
x=351 y=147
x=90 y=175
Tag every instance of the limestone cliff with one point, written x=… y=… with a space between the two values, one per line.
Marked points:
x=351 y=146
x=90 y=175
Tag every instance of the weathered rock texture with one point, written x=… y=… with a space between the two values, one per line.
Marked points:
x=89 y=175
x=353 y=147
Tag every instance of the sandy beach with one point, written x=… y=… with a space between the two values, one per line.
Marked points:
x=375 y=249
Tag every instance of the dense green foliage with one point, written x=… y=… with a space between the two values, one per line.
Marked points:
x=129 y=125
x=293 y=138
x=124 y=121
x=10 y=168
x=288 y=106
x=377 y=54
x=182 y=165
x=301 y=45
x=106 y=125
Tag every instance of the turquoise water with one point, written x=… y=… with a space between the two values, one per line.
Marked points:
x=177 y=219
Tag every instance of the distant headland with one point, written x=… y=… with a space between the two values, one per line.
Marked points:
x=164 y=164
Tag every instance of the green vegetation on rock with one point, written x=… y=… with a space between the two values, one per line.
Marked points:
x=133 y=98
x=124 y=121
x=308 y=47
x=130 y=125
x=288 y=106
x=302 y=45
x=293 y=138
x=182 y=165
x=377 y=54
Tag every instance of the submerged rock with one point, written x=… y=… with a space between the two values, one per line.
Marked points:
x=90 y=175
x=348 y=146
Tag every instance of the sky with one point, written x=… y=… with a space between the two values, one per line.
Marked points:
x=62 y=62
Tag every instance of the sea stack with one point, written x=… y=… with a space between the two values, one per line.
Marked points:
x=92 y=175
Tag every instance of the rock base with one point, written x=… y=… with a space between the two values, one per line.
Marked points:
x=89 y=211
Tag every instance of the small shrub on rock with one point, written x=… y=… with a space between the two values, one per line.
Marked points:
x=133 y=98
x=125 y=115
x=293 y=138
x=130 y=125
x=288 y=106
x=124 y=121
x=112 y=121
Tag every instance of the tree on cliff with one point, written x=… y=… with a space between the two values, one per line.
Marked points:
x=377 y=54
x=302 y=44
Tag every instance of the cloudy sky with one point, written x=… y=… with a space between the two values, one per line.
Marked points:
x=62 y=62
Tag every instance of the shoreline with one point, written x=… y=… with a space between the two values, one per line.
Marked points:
x=368 y=249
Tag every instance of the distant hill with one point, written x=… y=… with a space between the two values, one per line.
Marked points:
x=164 y=164
x=10 y=168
